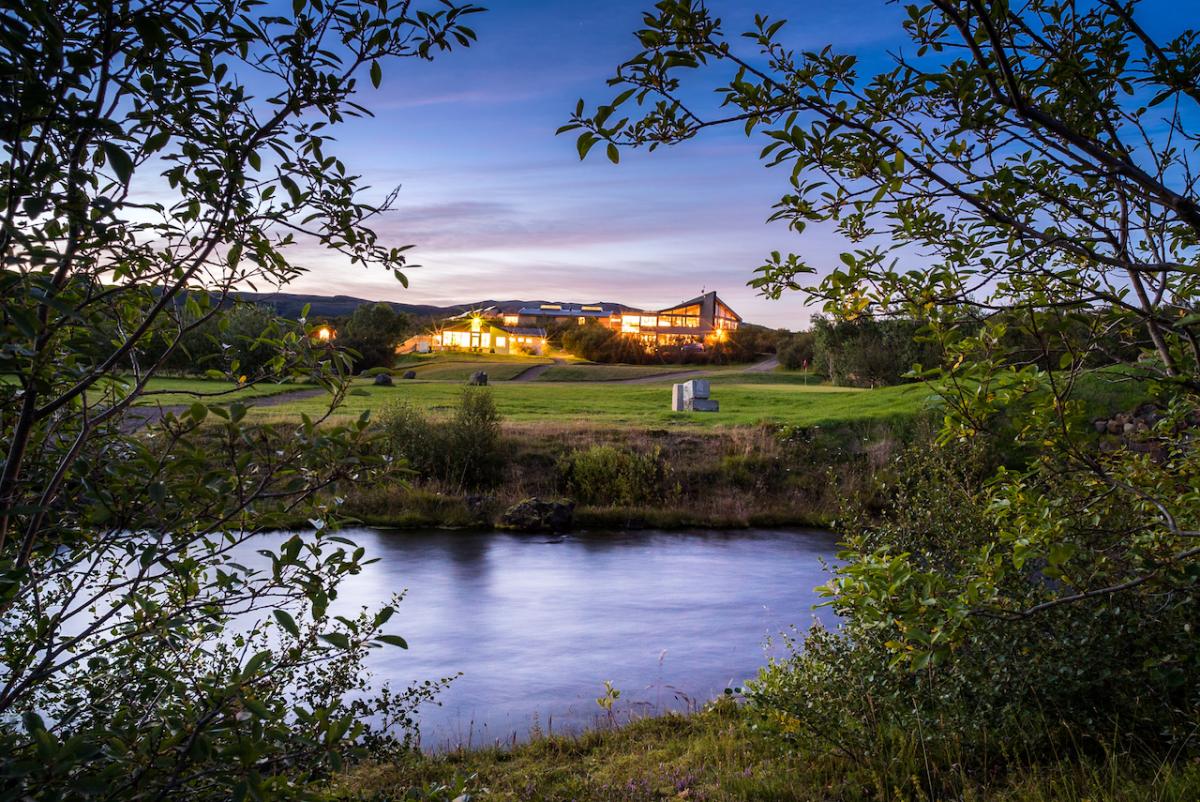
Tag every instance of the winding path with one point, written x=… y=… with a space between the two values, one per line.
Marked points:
x=531 y=373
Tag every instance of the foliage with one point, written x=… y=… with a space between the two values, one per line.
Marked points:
x=463 y=451
x=1028 y=168
x=156 y=155
x=611 y=475
x=866 y=352
x=723 y=754
x=1075 y=678
x=372 y=334
x=796 y=351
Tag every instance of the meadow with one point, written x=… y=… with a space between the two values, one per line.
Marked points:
x=745 y=403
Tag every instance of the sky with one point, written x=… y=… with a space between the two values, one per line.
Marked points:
x=498 y=206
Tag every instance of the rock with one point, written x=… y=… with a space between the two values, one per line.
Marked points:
x=383 y=380
x=1128 y=428
x=1101 y=425
x=539 y=515
x=1115 y=426
x=410 y=374
x=478 y=379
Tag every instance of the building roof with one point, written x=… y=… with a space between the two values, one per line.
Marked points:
x=708 y=301
x=570 y=310
x=525 y=331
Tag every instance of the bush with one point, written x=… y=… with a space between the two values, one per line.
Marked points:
x=372 y=333
x=463 y=452
x=609 y=475
x=796 y=351
x=867 y=352
x=1073 y=679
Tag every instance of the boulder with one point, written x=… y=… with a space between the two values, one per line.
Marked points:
x=539 y=515
x=383 y=380
x=478 y=379
x=410 y=374
x=1101 y=425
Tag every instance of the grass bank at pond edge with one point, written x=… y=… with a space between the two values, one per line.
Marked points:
x=729 y=477
x=720 y=755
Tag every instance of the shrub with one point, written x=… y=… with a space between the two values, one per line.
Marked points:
x=372 y=334
x=1013 y=689
x=796 y=351
x=617 y=476
x=463 y=451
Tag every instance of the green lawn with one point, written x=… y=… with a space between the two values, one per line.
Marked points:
x=590 y=372
x=641 y=405
x=186 y=391
x=458 y=367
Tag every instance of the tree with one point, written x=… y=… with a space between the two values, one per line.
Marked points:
x=1033 y=164
x=373 y=332
x=156 y=155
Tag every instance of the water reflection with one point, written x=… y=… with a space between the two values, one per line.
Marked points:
x=536 y=625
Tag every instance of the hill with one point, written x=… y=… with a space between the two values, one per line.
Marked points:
x=288 y=304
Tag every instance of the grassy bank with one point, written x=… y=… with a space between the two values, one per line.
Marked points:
x=723 y=755
x=726 y=477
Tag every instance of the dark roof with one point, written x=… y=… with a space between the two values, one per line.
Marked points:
x=707 y=302
x=525 y=331
x=569 y=310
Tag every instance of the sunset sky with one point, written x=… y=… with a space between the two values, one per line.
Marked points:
x=499 y=207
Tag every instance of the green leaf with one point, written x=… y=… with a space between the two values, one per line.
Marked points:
x=119 y=160
x=376 y=74
x=614 y=153
x=287 y=622
x=393 y=640
x=585 y=143
x=338 y=639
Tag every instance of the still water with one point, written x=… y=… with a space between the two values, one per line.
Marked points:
x=537 y=624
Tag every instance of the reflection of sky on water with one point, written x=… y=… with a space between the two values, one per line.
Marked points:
x=537 y=626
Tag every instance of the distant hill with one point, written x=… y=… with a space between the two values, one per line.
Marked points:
x=289 y=304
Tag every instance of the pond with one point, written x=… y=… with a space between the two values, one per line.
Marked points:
x=537 y=624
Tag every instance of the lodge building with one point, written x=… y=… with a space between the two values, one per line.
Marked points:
x=699 y=322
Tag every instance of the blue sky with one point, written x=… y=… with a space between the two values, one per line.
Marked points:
x=499 y=207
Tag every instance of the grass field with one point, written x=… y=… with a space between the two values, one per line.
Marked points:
x=602 y=373
x=169 y=391
x=457 y=367
x=641 y=404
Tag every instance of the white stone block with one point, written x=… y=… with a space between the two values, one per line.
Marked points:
x=678 y=402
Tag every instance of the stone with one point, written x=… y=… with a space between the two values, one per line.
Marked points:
x=383 y=380
x=696 y=388
x=410 y=374
x=1128 y=428
x=677 y=402
x=539 y=515
x=1115 y=426
x=478 y=379
x=1100 y=425
x=692 y=396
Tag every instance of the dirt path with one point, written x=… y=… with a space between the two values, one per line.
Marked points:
x=529 y=374
x=137 y=417
x=766 y=366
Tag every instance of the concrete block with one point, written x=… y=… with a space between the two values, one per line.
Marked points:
x=696 y=388
x=705 y=405
x=678 y=403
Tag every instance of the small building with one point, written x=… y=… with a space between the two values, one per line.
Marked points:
x=480 y=335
